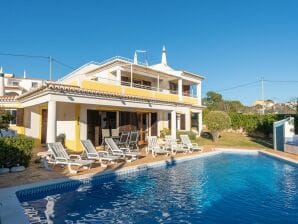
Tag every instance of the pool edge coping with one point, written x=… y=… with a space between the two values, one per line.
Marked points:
x=11 y=210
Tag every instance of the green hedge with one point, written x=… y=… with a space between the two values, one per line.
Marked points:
x=15 y=150
x=192 y=135
x=166 y=131
x=252 y=123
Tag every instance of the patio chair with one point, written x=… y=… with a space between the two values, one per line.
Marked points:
x=91 y=153
x=123 y=140
x=58 y=155
x=187 y=144
x=104 y=134
x=171 y=145
x=155 y=148
x=115 y=132
x=133 y=140
x=123 y=152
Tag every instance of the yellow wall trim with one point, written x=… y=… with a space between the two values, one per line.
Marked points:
x=136 y=92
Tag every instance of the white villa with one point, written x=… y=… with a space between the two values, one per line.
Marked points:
x=117 y=94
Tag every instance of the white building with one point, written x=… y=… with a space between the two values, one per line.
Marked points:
x=116 y=95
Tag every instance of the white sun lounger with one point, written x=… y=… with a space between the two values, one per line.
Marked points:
x=91 y=153
x=187 y=144
x=171 y=144
x=155 y=148
x=58 y=155
x=124 y=152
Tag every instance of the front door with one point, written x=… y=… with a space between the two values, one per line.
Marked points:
x=44 y=124
x=94 y=126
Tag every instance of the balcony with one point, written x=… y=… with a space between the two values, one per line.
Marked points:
x=138 y=90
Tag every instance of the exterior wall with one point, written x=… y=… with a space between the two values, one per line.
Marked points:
x=68 y=124
x=187 y=120
x=24 y=83
x=32 y=123
x=66 y=121
x=19 y=129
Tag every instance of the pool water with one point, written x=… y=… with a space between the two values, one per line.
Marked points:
x=223 y=188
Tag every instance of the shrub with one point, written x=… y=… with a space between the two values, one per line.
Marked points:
x=216 y=122
x=4 y=119
x=165 y=132
x=252 y=123
x=61 y=138
x=192 y=135
x=15 y=150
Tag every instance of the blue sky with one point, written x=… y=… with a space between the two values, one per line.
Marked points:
x=230 y=42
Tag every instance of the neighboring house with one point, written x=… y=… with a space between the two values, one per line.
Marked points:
x=265 y=103
x=15 y=86
x=10 y=87
x=115 y=95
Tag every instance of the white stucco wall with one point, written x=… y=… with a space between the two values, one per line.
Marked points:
x=66 y=120
x=32 y=121
x=24 y=83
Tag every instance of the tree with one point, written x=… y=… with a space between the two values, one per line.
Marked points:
x=4 y=119
x=216 y=122
x=213 y=98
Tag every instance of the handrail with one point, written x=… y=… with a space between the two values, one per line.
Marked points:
x=140 y=86
x=100 y=64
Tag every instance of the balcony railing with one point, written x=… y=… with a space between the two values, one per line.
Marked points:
x=135 y=89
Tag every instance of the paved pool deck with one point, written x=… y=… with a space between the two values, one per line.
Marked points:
x=35 y=173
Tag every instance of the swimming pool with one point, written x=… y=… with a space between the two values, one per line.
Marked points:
x=222 y=188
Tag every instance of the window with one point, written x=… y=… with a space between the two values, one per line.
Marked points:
x=194 y=121
x=15 y=83
x=137 y=83
x=186 y=90
x=147 y=84
x=34 y=84
x=13 y=116
x=125 y=81
x=173 y=87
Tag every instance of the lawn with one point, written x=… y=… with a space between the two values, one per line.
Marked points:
x=234 y=140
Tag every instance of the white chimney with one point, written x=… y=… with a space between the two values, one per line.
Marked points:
x=135 y=58
x=1 y=82
x=24 y=74
x=164 y=56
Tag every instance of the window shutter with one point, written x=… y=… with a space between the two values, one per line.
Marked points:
x=20 y=117
x=182 y=121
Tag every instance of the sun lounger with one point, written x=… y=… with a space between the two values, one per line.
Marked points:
x=91 y=153
x=58 y=155
x=123 y=140
x=124 y=152
x=155 y=148
x=187 y=144
x=133 y=140
x=171 y=145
